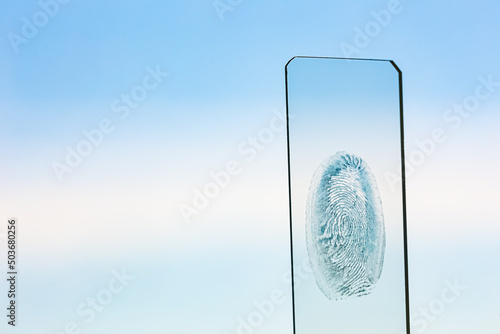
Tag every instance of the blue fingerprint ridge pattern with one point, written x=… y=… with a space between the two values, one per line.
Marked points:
x=345 y=233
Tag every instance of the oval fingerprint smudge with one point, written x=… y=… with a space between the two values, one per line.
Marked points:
x=345 y=232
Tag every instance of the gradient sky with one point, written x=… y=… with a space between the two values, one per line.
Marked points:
x=119 y=208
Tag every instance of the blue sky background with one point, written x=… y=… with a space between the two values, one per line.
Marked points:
x=120 y=207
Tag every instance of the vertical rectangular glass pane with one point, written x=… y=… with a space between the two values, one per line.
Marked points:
x=347 y=222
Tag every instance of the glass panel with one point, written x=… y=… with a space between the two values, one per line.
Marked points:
x=347 y=220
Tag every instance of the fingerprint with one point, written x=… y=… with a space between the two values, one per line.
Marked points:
x=345 y=232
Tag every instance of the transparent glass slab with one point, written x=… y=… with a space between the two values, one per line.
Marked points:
x=348 y=227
